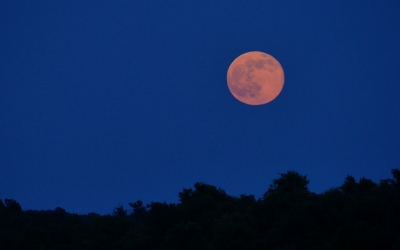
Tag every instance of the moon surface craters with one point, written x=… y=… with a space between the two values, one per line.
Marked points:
x=255 y=78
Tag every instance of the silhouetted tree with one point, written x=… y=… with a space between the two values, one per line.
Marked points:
x=120 y=211
x=161 y=217
x=396 y=179
x=366 y=185
x=288 y=183
x=12 y=206
x=185 y=195
x=201 y=190
x=349 y=186
x=139 y=211
x=396 y=175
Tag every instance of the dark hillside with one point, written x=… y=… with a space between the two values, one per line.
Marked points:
x=357 y=215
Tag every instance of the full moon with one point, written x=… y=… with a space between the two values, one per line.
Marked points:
x=255 y=78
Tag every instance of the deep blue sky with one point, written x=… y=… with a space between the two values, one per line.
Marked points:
x=106 y=102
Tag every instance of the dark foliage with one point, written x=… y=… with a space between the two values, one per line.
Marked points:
x=356 y=215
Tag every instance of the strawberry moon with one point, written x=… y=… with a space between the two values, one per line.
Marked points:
x=255 y=78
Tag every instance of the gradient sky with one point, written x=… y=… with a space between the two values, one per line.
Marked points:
x=106 y=102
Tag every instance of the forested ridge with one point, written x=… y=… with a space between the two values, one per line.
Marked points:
x=357 y=215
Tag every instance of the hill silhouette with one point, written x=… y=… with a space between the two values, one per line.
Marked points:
x=357 y=215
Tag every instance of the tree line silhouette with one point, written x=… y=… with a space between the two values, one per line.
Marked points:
x=356 y=215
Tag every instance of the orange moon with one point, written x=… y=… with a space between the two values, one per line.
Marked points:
x=255 y=78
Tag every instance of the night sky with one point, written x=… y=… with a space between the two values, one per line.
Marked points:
x=107 y=102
